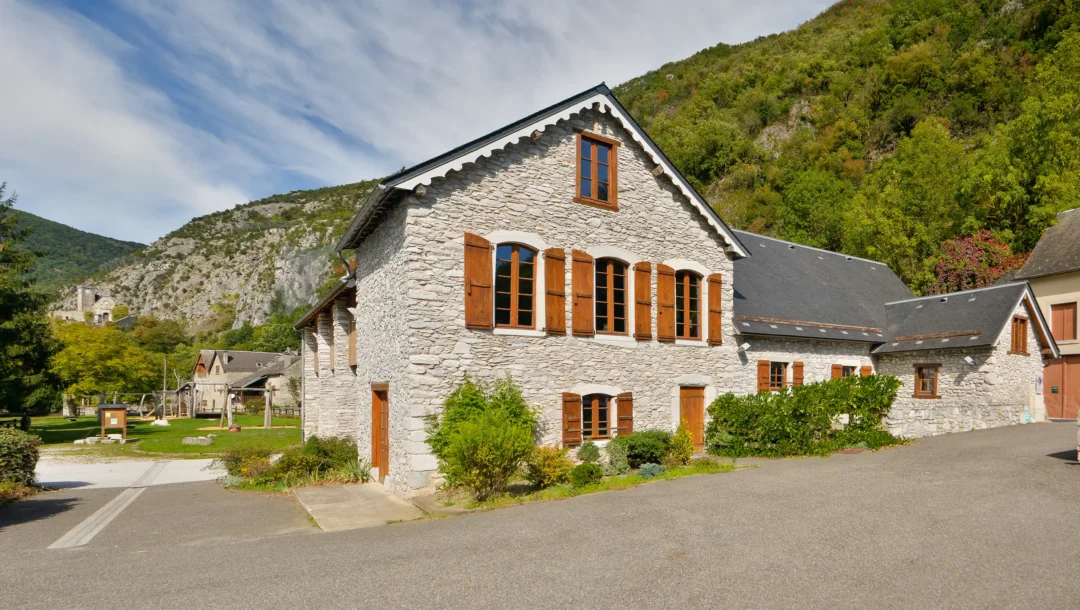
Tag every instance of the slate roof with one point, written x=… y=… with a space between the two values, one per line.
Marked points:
x=970 y=318
x=791 y=290
x=390 y=189
x=244 y=362
x=1058 y=251
x=277 y=367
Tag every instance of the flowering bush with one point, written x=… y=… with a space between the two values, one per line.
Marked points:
x=973 y=261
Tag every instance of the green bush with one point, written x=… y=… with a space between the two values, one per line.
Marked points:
x=616 y=459
x=548 y=466
x=18 y=456
x=588 y=452
x=482 y=455
x=296 y=462
x=586 y=474
x=681 y=447
x=334 y=452
x=469 y=401
x=242 y=458
x=800 y=420
x=650 y=470
x=643 y=447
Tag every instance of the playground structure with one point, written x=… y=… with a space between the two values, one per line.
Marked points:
x=180 y=403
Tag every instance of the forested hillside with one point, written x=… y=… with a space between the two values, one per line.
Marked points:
x=884 y=129
x=66 y=254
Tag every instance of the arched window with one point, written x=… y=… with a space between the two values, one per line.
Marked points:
x=595 y=416
x=687 y=305
x=611 y=296
x=515 y=286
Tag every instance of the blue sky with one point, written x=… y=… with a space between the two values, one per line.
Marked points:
x=130 y=117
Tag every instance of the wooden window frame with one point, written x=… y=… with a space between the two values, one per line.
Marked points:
x=613 y=173
x=1018 y=340
x=848 y=370
x=1066 y=307
x=515 y=268
x=918 y=391
x=682 y=279
x=606 y=266
x=589 y=427
x=773 y=387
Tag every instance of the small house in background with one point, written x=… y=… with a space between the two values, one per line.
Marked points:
x=217 y=374
x=1053 y=271
x=90 y=306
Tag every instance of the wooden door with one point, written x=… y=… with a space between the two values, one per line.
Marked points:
x=1053 y=390
x=692 y=411
x=380 y=429
x=1071 y=399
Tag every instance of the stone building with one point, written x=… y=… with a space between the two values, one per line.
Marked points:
x=565 y=250
x=88 y=300
x=221 y=374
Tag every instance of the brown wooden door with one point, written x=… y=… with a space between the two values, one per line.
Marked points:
x=380 y=429
x=1053 y=392
x=692 y=411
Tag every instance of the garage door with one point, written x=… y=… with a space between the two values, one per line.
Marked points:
x=1061 y=388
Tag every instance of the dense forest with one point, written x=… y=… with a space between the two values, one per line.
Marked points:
x=66 y=255
x=896 y=131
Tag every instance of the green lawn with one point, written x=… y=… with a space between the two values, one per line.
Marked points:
x=58 y=431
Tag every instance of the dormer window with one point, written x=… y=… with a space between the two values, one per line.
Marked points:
x=597 y=171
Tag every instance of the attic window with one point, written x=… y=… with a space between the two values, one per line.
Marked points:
x=1019 y=336
x=597 y=171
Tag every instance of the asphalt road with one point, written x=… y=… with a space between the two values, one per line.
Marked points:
x=976 y=520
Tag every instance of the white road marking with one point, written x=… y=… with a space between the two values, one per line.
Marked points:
x=85 y=531
x=147 y=478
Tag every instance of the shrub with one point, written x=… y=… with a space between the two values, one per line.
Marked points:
x=586 y=474
x=643 y=447
x=681 y=447
x=482 y=455
x=616 y=459
x=588 y=452
x=357 y=470
x=334 y=452
x=235 y=459
x=18 y=456
x=296 y=462
x=650 y=470
x=469 y=401
x=800 y=420
x=548 y=466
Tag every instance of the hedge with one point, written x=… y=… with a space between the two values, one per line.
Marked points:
x=18 y=456
x=800 y=420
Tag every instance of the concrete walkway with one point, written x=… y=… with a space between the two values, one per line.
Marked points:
x=346 y=507
x=128 y=473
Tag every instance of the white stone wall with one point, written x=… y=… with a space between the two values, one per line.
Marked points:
x=998 y=391
x=817 y=358
x=312 y=389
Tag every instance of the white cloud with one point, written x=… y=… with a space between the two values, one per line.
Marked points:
x=326 y=92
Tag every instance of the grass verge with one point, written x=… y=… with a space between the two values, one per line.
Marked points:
x=9 y=492
x=560 y=492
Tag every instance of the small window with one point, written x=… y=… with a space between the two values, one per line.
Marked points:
x=847 y=371
x=610 y=297
x=515 y=286
x=217 y=370
x=1019 y=336
x=777 y=375
x=926 y=381
x=595 y=416
x=687 y=305
x=596 y=165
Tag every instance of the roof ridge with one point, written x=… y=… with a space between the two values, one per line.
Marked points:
x=960 y=292
x=784 y=241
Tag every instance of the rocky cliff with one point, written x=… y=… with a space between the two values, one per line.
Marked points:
x=237 y=263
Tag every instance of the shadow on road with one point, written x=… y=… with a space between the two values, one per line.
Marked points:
x=33 y=509
x=1068 y=456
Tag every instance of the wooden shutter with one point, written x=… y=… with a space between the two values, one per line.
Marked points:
x=571 y=419
x=762 y=375
x=796 y=373
x=866 y=371
x=625 y=404
x=352 y=328
x=478 y=298
x=555 y=287
x=665 y=303
x=582 y=285
x=716 y=318
x=837 y=371
x=643 y=301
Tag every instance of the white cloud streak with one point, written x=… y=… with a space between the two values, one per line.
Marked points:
x=288 y=92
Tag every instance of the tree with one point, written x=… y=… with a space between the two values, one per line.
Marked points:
x=26 y=343
x=973 y=261
x=813 y=209
x=120 y=312
x=160 y=336
x=275 y=338
x=103 y=359
x=910 y=205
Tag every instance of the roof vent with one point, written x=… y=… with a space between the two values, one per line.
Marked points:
x=848 y=258
x=791 y=246
x=944 y=299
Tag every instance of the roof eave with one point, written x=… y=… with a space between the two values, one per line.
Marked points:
x=337 y=289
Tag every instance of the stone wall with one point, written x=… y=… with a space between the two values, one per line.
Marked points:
x=998 y=391
x=817 y=358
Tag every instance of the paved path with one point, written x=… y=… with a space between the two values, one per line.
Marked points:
x=976 y=520
x=348 y=507
x=128 y=473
